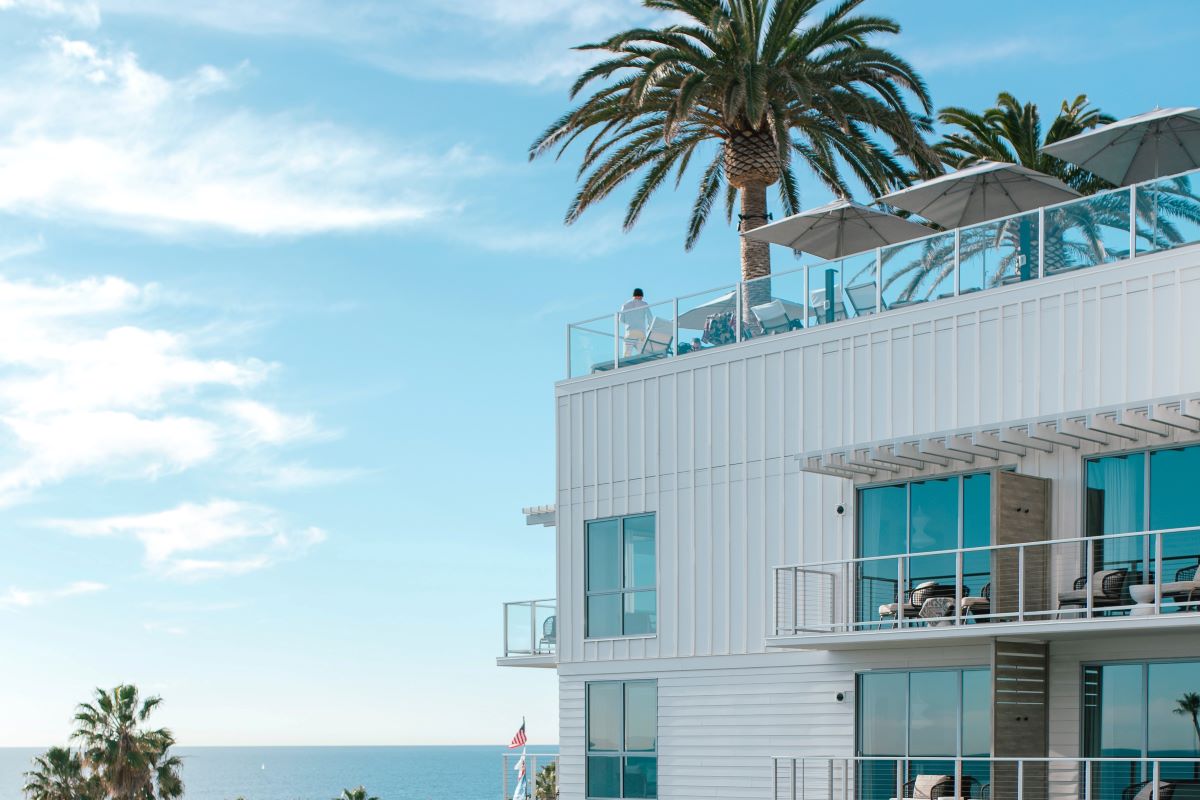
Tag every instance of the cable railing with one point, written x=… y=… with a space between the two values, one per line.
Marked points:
x=1144 y=573
x=1103 y=228
x=985 y=778
x=530 y=628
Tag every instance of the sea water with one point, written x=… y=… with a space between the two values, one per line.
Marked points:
x=318 y=773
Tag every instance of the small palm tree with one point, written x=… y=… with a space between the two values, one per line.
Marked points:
x=1189 y=706
x=746 y=86
x=546 y=785
x=59 y=775
x=359 y=793
x=128 y=760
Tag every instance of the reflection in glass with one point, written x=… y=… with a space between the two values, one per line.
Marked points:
x=604 y=716
x=640 y=612
x=1116 y=488
x=603 y=559
x=604 y=615
x=641 y=715
x=641 y=776
x=603 y=776
x=882 y=713
x=1173 y=505
x=639 y=551
x=882 y=530
x=932 y=713
x=977 y=713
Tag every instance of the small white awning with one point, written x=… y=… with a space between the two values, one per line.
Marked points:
x=539 y=515
x=935 y=451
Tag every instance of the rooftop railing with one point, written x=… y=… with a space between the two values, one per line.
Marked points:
x=985 y=778
x=1099 y=229
x=530 y=628
x=1126 y=574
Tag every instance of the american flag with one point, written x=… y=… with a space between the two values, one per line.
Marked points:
x=518 y=740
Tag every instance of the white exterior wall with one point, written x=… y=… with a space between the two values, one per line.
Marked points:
x=706 y=442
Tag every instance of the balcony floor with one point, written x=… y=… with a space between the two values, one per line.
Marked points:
x=1041 y=630
x=542 y=660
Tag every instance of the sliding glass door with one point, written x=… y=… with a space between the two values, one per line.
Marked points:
x=913 y=726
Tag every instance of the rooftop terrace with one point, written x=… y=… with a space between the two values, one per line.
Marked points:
x=1103 y=228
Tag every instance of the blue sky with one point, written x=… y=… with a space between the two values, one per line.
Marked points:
x=281 y=307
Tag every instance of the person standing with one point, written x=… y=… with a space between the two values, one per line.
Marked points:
x=635 y=316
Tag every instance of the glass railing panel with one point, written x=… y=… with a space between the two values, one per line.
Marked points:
x=530 y=628
x=916 y=272
x=1168 y=214
x=592 y=345
x=647 y=334
x=1087 y=232
x=774 y=304
x=708 y=319
x=998 y=253
x=826 y=298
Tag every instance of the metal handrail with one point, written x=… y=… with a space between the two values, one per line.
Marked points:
x=1040 y=213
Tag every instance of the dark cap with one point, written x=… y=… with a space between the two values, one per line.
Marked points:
x=637 y=292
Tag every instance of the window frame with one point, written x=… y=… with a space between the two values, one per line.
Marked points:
x=621 y=754
x=908 y=672
x=1147 y=500
x=1145 y=664
x=622 y=591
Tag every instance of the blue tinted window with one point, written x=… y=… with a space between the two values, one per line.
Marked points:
x=621 y=576
x=622 y=739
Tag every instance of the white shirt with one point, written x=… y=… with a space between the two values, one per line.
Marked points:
x=635 y=314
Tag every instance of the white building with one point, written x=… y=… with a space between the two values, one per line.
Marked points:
x=735 y=525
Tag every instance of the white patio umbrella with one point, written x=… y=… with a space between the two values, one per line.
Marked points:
x=981 y=192
x=694 y=318
x=838 y=229
x=1162 y=142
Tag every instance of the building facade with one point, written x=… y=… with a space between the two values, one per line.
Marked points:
x=934 y=546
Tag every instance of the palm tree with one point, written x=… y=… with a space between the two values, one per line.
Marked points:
x=128 y=760
x=359 y=793
x=750 y=85
x=59 y=775
x=1189 y=706
x=546 y=784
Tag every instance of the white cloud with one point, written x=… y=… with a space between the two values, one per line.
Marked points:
x=193 y=541
x=83 y=12
x=956 y=55
x=267 y=425
x=303 y=476
x=22 y=598
x=89 y=133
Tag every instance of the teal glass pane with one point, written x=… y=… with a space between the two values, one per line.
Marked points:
x=641 y=612
x=1173 y=505
x=603 y=776
x=933 y=525
x=933 y=713
x=604 y=615
x=876 y=780
x=641 y=716
x=604 y=716
x=882 y=713
x=882 y=530
x=977 y=713
x=1116 y=488
x=641 y=776
x=977 y=531
x=1173 y=694
x=1113 y=711
x=603 y=553
x=639 y=552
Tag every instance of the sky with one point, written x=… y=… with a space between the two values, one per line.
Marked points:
x=282 y=304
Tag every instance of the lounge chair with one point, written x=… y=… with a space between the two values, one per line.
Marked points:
x=818 y=305
x=862 y=298
x=979 y=606
x=657 y=344
x=549 y=635
x=773 y=317
x=1108 y=589
x=1186 y=586
x=933 y=787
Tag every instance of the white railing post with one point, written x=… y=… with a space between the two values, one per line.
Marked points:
x=793 y=779
x=1154 y=771
x=795 y=600
x=675 y=324
x=739 y=298
x=1087 y=780
x=1021 y=583
x=1042 y=242
x=957 y=261
x=616 y=341
x=899 y=779
x=533 y=637
x=1133 y=220
x=568 y=375
x=848 y=607
x=900 y=593
x=878 y=280
x=958 y=587
x=1021 y=779
x=775 y=779
x=1090 y=563
x=1158 y=573
x=506 y=630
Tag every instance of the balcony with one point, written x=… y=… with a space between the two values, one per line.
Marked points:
x=878 y=778
x=530 y=634
x=1054 y=240
x=1081 y=585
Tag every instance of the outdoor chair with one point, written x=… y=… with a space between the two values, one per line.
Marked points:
x=549 y=634
x=1108 y=589
x=862 y=298
x=977 y=606
x=773 y=317
x=1167 y=790
x=915 y=600
x=1186 y=586
x=658 y=338
x=933 y=787
x=818 y=305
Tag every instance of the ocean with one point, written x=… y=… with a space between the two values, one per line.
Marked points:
x=318 y=773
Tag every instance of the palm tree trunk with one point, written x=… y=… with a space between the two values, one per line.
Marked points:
x=756 y=256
